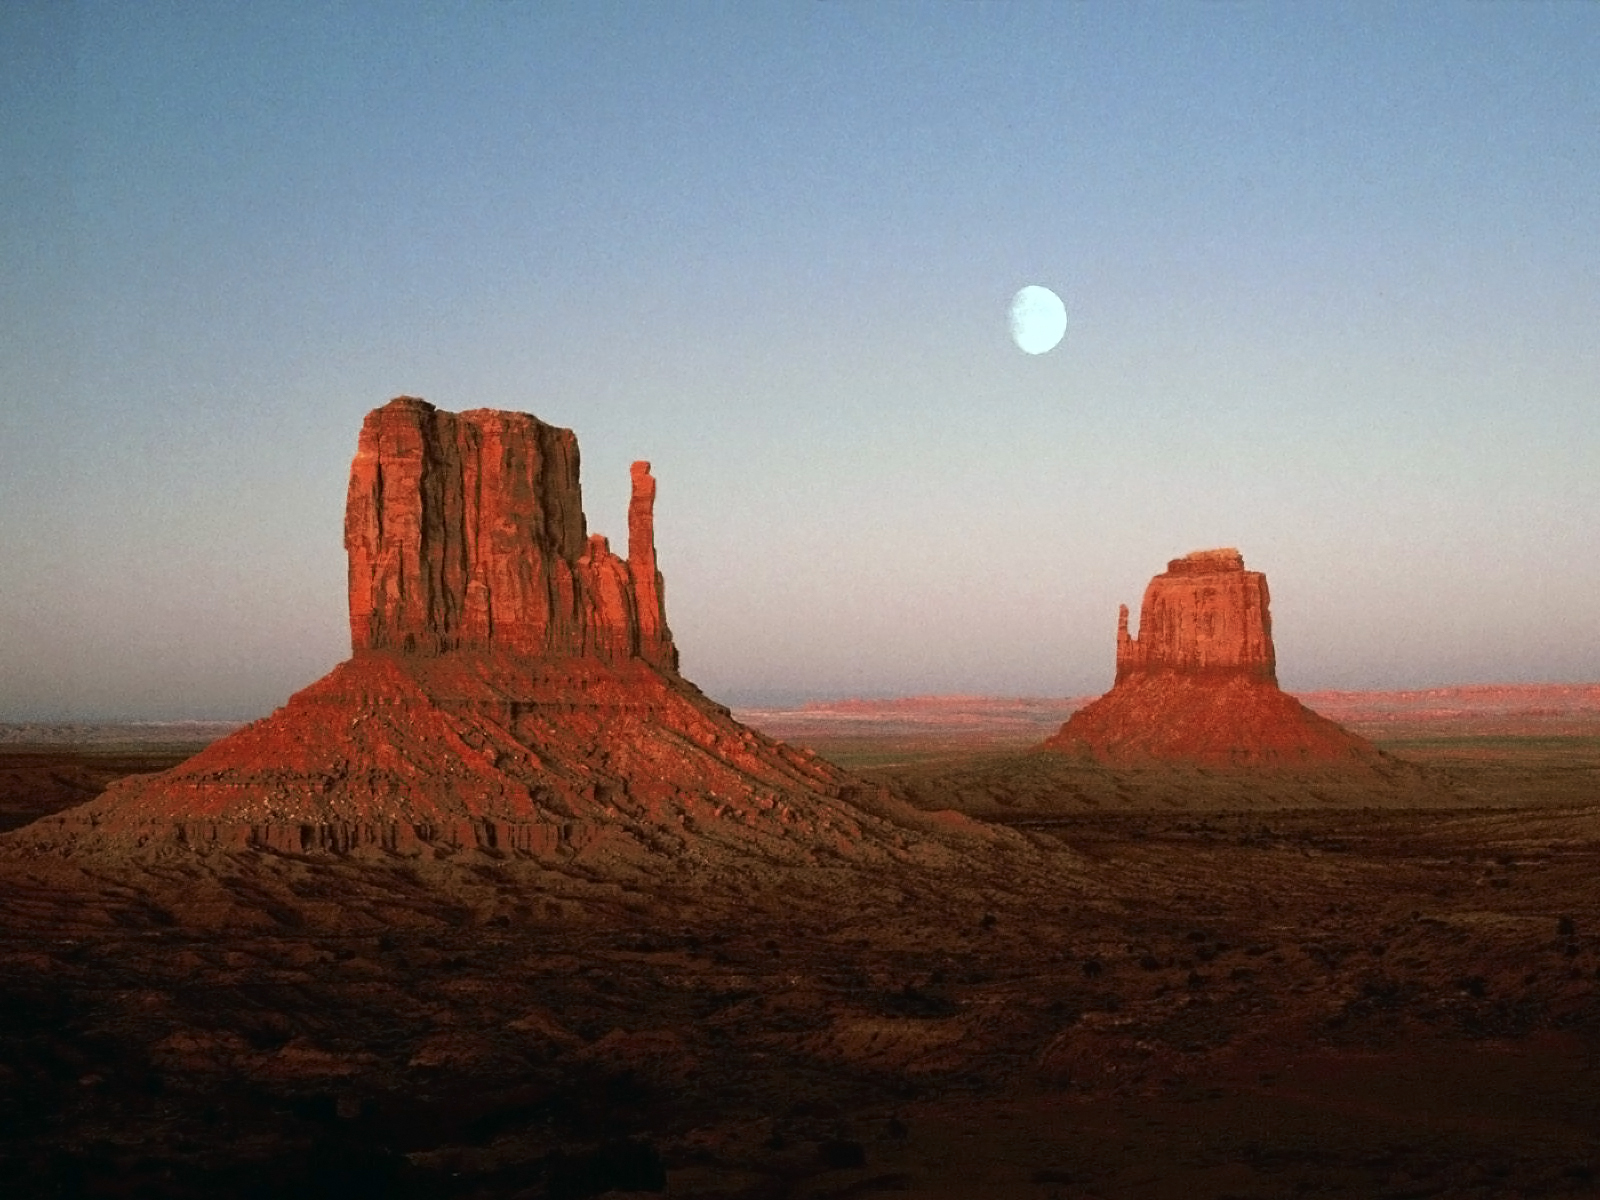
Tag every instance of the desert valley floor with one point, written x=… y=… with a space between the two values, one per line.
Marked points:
x=1139 y=983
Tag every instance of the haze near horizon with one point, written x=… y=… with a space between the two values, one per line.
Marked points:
x=1332 y=279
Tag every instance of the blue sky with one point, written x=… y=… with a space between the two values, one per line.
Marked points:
x=1332 y=275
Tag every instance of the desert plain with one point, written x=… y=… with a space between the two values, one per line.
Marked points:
x=1160 y=983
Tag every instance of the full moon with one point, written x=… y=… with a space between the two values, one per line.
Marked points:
x=1038 y=319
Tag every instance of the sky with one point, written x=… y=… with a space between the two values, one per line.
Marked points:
x=1332 y=277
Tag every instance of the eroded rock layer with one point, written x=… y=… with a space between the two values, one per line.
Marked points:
x=1199 y=683
x=497 y=750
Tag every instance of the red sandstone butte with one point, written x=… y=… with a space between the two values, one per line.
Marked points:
x=466 y=531
x=1199 y=685
x=513 y=685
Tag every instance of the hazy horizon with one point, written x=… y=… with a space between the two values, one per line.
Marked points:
x=1332 y=278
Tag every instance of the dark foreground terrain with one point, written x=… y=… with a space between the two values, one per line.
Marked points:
x=1199 y=990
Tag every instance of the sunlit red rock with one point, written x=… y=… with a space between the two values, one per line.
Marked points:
x=1199 y=683
x=466 y=531
x=513 y=682
x=1205 y=613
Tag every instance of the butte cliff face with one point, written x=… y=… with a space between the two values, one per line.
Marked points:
x=465 y=531
x=513 y=685
x=1205 y=615
x=1199 y=684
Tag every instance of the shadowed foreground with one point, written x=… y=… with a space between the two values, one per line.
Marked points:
x=1114 y=1003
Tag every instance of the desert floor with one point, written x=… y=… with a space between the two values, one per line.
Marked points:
x=1162 y=984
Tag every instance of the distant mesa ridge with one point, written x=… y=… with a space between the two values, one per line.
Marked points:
x=513 y=685
x=1199 y=683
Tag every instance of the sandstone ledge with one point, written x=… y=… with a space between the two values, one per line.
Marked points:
x=530 y=839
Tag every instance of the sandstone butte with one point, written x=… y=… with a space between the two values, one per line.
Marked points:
x=513 y=685
x=1199 y=684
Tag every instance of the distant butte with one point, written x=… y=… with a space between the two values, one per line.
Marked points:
x=513 y=684
x=1199 y=684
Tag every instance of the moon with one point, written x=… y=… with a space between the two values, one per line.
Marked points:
x=1038 y=319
